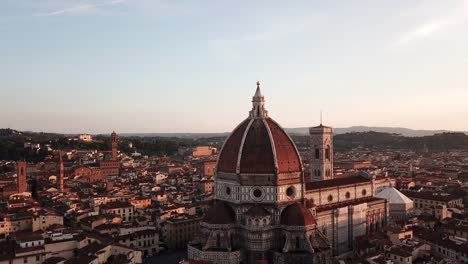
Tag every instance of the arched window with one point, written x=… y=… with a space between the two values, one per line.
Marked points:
x=317 y=153
x=330 y=198
x=327 y=152
x=297 y=243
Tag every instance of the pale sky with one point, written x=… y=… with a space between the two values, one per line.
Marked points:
x=191 y=66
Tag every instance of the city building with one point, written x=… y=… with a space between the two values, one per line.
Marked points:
x=429 y=200
x=203 y=151
x=259 y=212
x=111 y=167
x=401 y=207
x=85 y=137
x=179 y=230
x=123 y=209
x=321 y=149
x=11 y=187
x=61 y=174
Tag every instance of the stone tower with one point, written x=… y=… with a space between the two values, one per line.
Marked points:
x=114 y=142
x=321 y=153
x=21 y=180
x=61 y=174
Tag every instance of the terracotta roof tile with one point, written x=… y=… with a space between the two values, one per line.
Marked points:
x=286 y=154
x=297 y=215
x=228 y=157
x=336 y=182
x=257 y=150
x=257 y=153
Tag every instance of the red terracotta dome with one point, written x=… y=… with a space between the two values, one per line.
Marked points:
x=297 y=215
x=220 y=214
x=259 y=145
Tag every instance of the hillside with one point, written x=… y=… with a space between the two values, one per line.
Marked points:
x=12 y=142
x=437 y=142
x=392 y=130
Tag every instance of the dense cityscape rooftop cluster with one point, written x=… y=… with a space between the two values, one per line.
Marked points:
x=266 y=201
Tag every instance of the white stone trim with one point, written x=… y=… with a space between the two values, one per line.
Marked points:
x=272 y=143
x=241 y=147
x=224 y=144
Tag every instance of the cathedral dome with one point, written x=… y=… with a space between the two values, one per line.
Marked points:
x=258 y=145
x=220 y=214
x=297 y=215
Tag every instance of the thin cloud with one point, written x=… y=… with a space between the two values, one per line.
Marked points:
x=81 y=8
x=232 y=47
x=460 y=16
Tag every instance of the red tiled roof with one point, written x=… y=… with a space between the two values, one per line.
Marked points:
x=336 y=182
x=297 y=215
x=257 y=153
x=366 y=199
x=286 y=154
x=228 y=157
x=259 y=149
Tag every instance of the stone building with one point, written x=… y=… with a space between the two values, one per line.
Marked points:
x=264 y=208
x=401 y=207
x=345 y=208
x=321 y=149
x=111 y=167
x=20 y=186
x=178 y=231
x=259 y=212
x=123 y=209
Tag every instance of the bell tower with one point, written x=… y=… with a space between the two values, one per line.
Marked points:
x=61 y=172
x=321 y=153
x=21 y=180
x=114 y=143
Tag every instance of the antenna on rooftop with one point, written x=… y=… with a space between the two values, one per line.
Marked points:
x=320 y=117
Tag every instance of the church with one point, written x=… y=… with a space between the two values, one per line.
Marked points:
x=266 y=211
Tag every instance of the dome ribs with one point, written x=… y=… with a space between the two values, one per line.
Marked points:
x=257 y=153
x=286 y=154
x=228 y=158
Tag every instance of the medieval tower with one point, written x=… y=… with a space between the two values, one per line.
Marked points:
x=114 y=142
x=21 y=180
x=321 y=153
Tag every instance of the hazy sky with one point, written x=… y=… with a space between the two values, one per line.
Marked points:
x=191 y=66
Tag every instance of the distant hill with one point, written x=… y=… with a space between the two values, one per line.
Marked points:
x=305 y=131
x=378 y=140
x=176 y=135
x=12 y=141
x=392 y=130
